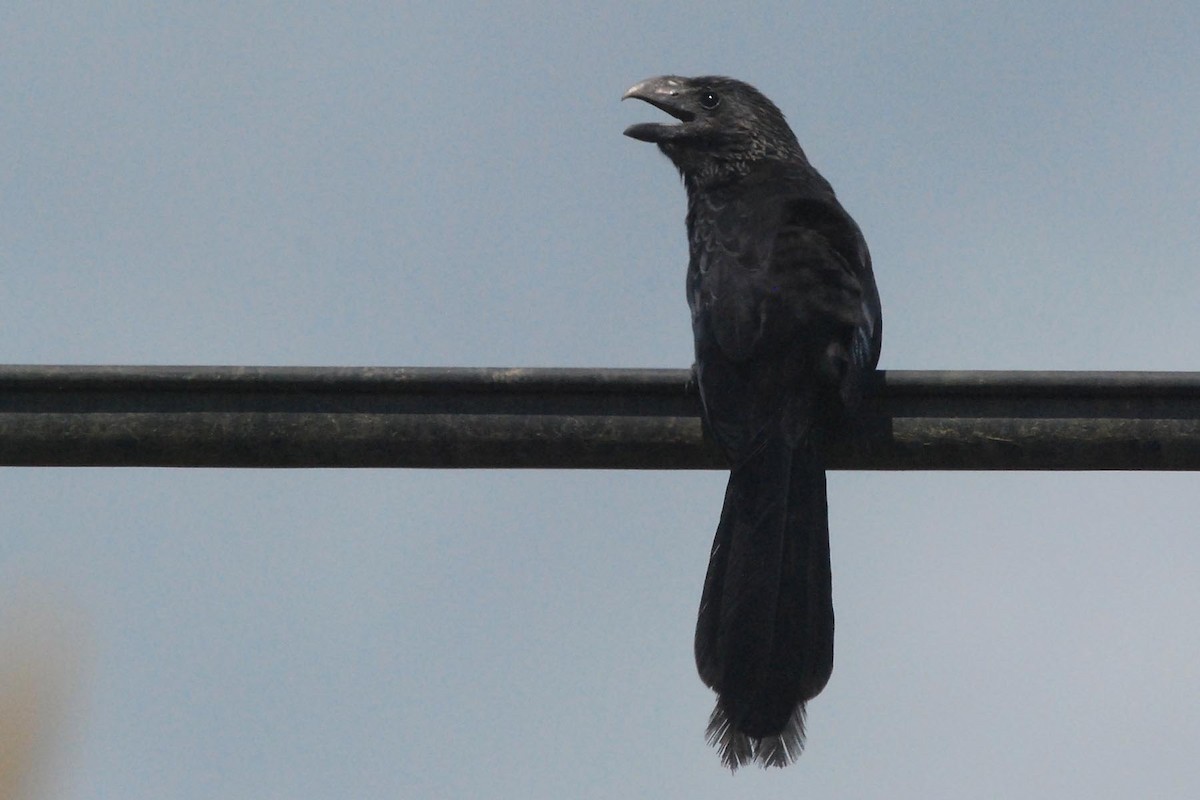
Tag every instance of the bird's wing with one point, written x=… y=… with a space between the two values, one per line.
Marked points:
x=787 y=320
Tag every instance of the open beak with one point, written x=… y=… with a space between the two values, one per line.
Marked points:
x=667 y=93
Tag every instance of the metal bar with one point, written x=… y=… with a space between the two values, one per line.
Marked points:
x=571 y=418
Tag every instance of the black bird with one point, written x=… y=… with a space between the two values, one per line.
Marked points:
x=787 y=323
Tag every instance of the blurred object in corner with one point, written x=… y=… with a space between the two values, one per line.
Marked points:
x=40 y=649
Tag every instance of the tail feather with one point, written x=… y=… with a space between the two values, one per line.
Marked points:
x=738 y=749
x=764 y=638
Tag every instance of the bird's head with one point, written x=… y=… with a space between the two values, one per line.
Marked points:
x=724 y=126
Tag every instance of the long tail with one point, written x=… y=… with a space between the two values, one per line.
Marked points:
x=764 y=639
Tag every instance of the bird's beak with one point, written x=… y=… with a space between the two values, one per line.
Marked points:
x=666 y=92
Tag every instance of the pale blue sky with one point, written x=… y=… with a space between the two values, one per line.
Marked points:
x=447 y=184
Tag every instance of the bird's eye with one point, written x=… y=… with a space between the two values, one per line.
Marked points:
x=710 y=100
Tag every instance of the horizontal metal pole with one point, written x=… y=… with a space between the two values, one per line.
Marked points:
x=571 y=418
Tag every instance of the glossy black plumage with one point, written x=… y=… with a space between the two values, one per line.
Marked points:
x=786 y=320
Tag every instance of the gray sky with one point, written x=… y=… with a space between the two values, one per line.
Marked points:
x=421 y=184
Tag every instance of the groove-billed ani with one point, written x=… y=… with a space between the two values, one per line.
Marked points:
x=787 y=322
